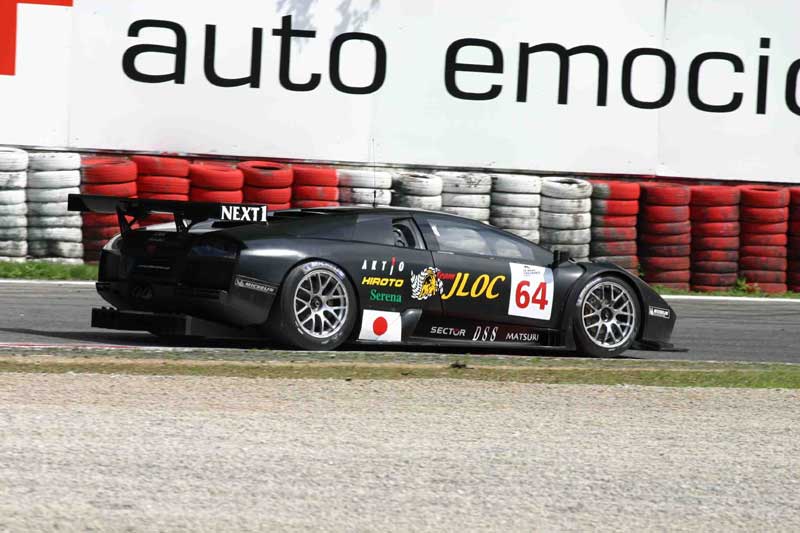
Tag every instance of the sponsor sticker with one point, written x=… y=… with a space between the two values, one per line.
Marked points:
x=659 y=312
x=481 y=286
x=388 y=266
x=376 y=296
x=426 y=284
x=396 y=283
x=531 y=291
x=444 y=331
x=252 y=284
x=243 y=213
x=381 y=326
x=485 y=334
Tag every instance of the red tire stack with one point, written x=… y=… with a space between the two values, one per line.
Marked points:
x=104 y=176
x=765 y=224
x=315 y=187
x=215 y=182
x=267 y=183
x=615 y=205
x=665 y=235
x=793 y=273
x=162 y=178
x=715 y=237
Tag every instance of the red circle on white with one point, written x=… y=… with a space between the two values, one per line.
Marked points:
x=380 y=326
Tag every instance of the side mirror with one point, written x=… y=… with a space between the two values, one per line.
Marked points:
x=559 y=257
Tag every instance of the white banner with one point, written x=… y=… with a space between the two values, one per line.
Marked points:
x=570 y=86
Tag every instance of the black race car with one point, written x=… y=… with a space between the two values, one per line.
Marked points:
x=318 y=278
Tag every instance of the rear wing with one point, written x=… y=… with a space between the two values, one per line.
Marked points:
x=185 y=213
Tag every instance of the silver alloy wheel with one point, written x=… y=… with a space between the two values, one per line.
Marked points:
x=320 y=304
x=609 y=314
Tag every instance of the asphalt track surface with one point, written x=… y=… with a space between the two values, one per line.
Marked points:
x=712 y=330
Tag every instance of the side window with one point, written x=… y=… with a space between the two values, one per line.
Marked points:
x=406 y=234
x=460 y=237
x=381 y=229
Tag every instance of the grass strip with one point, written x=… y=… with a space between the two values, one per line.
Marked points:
x=47 y=271
x=720 y=375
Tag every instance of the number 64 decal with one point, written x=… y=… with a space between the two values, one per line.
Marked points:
x=531 y=292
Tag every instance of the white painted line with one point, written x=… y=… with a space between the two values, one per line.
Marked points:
x=728 y=298
x=45 y=282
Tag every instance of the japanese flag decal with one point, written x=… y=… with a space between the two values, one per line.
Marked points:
x=531 y=291
x=381 y=326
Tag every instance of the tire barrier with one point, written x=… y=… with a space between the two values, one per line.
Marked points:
x=159 y=176
x=515 y=205
x=793 y=250
x=615 y=206
x=420 y=191
x=97 y=174
x=365 y=187
x=52 y=232
x=13 y=209
x=765 y=222
x=665 y=236
x=715 y=237
x=215 y=182
x=315 y=187
x=566 y=216
x=467 y=195
x=267 y=182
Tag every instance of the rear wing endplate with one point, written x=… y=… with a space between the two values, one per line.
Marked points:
x=185 y=213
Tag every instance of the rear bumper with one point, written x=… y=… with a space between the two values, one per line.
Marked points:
x=167 y=324
x=238 y=306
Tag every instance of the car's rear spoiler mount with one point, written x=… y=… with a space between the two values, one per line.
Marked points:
x=195 y=212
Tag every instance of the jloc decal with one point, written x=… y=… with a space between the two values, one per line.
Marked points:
x=531 y=291
x=484 y=286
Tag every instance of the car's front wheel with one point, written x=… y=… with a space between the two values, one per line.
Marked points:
x=608 y=317
x=317 y=307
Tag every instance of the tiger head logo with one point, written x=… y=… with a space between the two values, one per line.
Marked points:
x=426 y=284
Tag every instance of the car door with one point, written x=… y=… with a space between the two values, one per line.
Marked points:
x=489 y=276
x=388 y=252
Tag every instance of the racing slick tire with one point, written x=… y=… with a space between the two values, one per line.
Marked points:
x=15 y=248
x=266 y=174
x=563 y=205
x=52 y=209
x=715 y=195
x=316 y=308
x=432 y=203
x=72 y=220
x=54 y=161
x=13 y=180
x=368 y=196
x=475 y=201
x=53 y=179
x=148 y=165
x=474 y=213
x=509 y=211
x=611 y=248
x=665 y=194
x=13 y=197
x=420 y=185
x=566 y=188
x=611 y=234
x=464 y=183
x=516 y=184
x=511 y=199
x=606 y=326
x=13 y=159
x=365 y=179
x=615 y=207
x=616 y=190
x=573 y=221
x=629 y=262
x=15 y=209
x=559 y=236
x=515 y=223
x=531 y=235
x=615 y=221
x=163 y=185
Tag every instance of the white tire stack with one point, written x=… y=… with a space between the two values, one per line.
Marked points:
x=466 y=195
x=13 y=211
x=566 y=217
x=365 y=188
x=420 y=191
x=515 y=204
x=53 y=232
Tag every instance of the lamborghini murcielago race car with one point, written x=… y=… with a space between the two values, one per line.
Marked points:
x=319 y=278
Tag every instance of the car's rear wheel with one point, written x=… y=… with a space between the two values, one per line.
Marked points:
x=317 y=308
x=608 y=317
